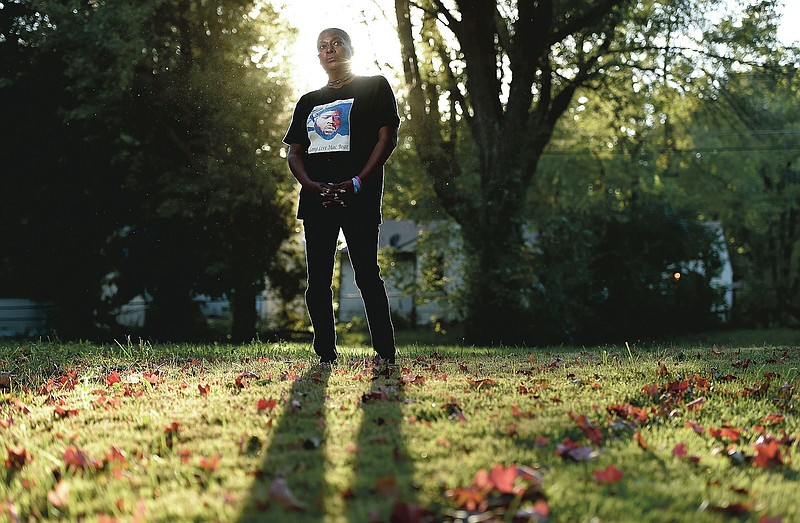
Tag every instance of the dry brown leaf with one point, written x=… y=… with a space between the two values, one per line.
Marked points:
x=59 y=495
x=280 y=492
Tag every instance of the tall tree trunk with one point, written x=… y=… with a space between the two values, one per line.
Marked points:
x=509 y=127
x=498 y=280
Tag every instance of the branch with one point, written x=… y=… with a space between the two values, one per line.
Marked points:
x=455 y=93
x=437 y=157
x=450 y=21
x=585 y=20
x=770 y=67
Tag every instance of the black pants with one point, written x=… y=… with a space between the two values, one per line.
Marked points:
x=362 y=247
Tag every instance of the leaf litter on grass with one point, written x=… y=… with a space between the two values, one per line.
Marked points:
x=81 y=436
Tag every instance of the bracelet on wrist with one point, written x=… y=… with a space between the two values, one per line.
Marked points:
x=356 y=184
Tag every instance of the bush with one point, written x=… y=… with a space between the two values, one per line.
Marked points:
x=609 y=276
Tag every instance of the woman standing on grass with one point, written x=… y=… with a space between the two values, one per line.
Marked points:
x=339 y=139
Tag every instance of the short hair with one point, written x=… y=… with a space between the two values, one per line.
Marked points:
x=340 y=32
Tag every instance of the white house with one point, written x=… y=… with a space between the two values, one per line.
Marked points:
x=402 y=237
x=22 y=317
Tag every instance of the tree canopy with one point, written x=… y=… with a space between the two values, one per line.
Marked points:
x=489 y=83
x=145 y=156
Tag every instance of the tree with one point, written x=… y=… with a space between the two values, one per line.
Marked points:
x=61 y=200
x=216 y=211
x=485 y=97
x=174 y=110
x=748 y=177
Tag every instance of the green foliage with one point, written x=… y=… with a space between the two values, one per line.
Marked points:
x=166 y=117
x=611 y=275
x=748 y=176
x=491 y=86
x=61 y=199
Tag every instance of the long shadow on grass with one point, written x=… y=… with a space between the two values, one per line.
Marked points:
x=290 y=485
x=383 y=468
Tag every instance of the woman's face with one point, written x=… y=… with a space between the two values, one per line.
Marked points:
x=334 y=51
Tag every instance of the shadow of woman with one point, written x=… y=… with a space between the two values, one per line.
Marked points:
x=290 y=485
x=383 y=470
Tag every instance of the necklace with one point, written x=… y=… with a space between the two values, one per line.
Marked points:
x=340 y=81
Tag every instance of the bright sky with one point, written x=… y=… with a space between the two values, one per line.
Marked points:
x=789 y=30
x=370 y=24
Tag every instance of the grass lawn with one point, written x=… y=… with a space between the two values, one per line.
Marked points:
x=139 y=432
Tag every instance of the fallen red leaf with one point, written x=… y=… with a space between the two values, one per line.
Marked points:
x=680 y=450
x=113 y=378
x=651 y=390
x=610 y=474
x=61 y=412
x=21 y=407
x=152 y=378
x=171 y=433
x=204 y=389
x=503 y=478
x=517 y=413
x=76 y=459
x=241 y=379
x=482 y=383
x=541 y=509
x=637 y=436
x=481 y=481
x=17 y=458
x=209 y=464
x=774 y=418
x=468 y=498
x=588 y=427
x=570 y=449
x=115 y=455
x=512 y=429
x=694 y=426
x=730 y=433
x=266 y=404
x=628 y=411
x=375 y=395
x=412 y=379
x=767 y=453
x=678 y=388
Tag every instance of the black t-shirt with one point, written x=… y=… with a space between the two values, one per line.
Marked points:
x=338 y=130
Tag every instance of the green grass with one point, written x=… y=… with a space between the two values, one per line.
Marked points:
x=178 y=438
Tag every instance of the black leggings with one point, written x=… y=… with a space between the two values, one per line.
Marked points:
x=362 y=248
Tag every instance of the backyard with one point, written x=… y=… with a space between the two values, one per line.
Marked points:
x=131 y=431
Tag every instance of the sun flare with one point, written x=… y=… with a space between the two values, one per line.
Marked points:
x=369 y=24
